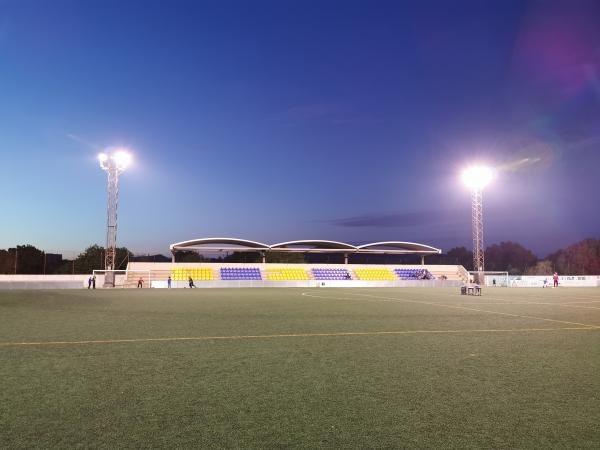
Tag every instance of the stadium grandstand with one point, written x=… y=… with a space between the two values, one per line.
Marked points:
x=264 y=274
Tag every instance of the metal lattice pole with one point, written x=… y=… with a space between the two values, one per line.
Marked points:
x=111 y=222
x=477 y=219
x=114 y=164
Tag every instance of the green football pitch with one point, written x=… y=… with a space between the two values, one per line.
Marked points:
x=300 y=368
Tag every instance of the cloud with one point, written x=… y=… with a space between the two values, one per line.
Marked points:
x=398 y=220
x=585 y=144
x=80 y=140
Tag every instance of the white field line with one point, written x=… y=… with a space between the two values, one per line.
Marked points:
x=570 y=305
x=545 y=301
x=398 y=300
x=291 y=335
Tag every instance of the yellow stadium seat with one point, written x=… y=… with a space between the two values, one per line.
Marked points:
x=287 y=273
x=374 y=274
x=196 y=273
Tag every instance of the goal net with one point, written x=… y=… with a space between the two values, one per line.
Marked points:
x=497 y=279
x=122 y=278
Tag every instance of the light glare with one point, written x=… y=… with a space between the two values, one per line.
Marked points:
x=477 y=177
x=122 y=159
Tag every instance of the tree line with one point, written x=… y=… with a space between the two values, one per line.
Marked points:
x=582 y=258
x=27 y=259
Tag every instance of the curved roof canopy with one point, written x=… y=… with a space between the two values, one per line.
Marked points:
x=398 y=246
x=304 y=246
x=314 y=245
x=196 y=244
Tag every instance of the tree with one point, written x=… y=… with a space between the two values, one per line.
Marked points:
x=243 y=257
x=285 y=258
x=582 y=258
x=65 y=268
x=271 y=257
x=544 y=267
x=462 y=256
x=188 y=256
x=150 y=258
x=93 y=259
x=509 y=257
x=28 y=259
x=7 y=261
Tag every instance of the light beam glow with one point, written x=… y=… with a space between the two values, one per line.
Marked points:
x=119 y=158
x=122 y=159
x=477 y=177
x=102 y=159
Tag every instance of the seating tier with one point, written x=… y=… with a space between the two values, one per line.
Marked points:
x=287 y=273
x=196 y=273
x=240 y=273
x=331 y=274
x=414 y=274
x=374 y=274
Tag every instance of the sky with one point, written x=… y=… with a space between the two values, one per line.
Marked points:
x=276 y=121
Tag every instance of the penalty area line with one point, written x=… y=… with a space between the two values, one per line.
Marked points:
x=291 y=335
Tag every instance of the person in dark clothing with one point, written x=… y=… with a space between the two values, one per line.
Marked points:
x=94 y=282
x=89 y=282
x=191 y=283
x=140 y=284
x=169 y=282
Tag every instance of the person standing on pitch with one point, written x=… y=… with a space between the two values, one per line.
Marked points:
x=94 y=282
x=140 y=283
x=191 y=283
x=89 y=282
x=555 y=279
x=169 y=282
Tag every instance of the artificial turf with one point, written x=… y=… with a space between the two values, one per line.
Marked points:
x=274 y=368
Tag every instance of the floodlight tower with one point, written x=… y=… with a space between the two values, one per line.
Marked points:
x=114 y=163
x=476 y=178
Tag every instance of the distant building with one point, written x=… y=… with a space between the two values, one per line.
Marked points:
x=53 y=262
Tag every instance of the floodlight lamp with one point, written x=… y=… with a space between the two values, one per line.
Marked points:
x=122 y=159
x=102 y=158
x=477 y=177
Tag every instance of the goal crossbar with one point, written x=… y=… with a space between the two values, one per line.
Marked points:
x=493 y=278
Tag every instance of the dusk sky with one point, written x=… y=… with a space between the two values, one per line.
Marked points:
x=285 y=120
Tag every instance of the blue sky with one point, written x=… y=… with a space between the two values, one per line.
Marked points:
x=274 y=121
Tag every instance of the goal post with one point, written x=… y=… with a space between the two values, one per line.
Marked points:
x=122 y=278
x=493 y=278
